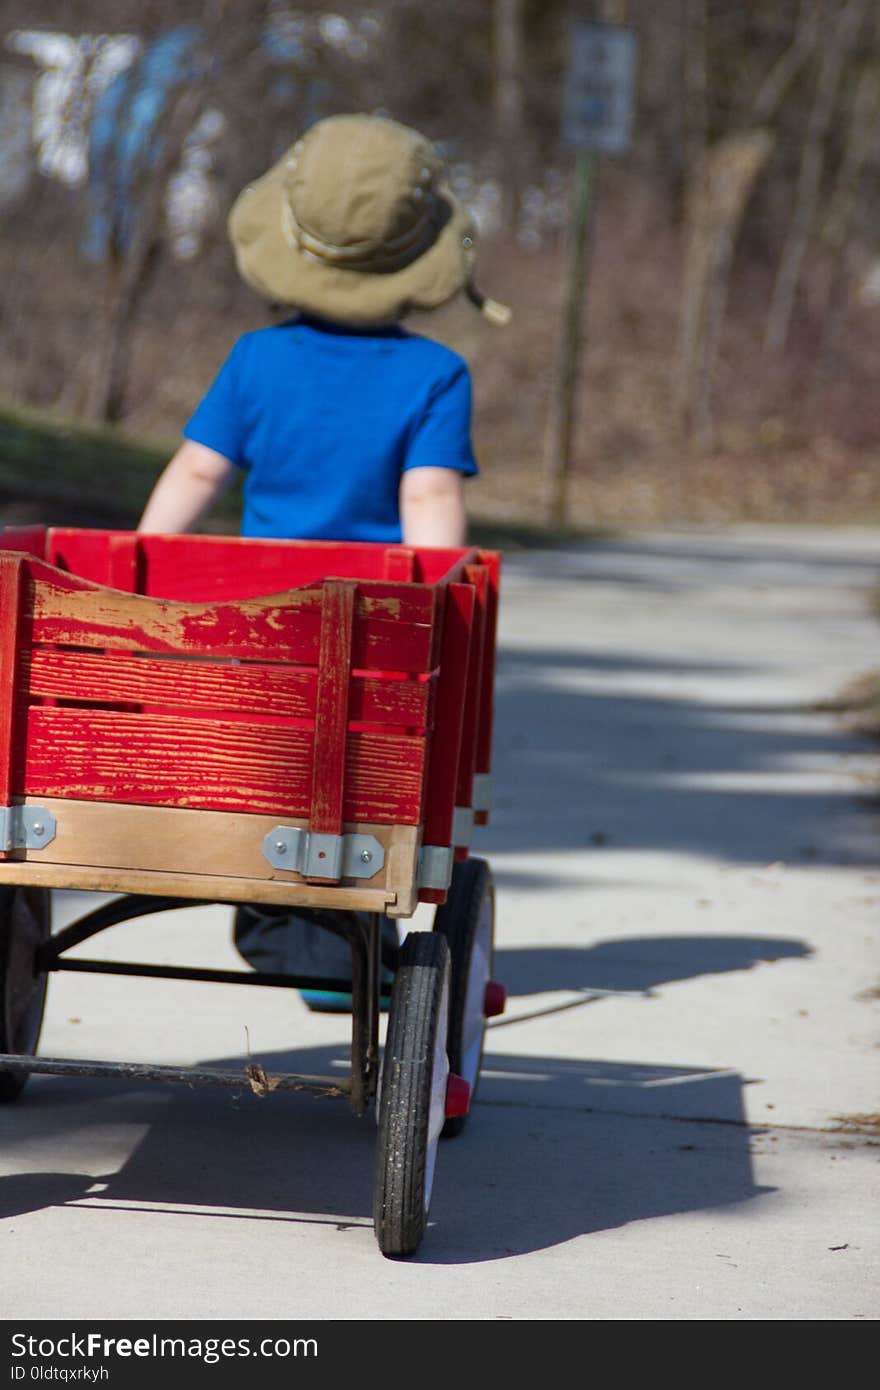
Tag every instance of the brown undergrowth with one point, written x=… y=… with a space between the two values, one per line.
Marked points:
x=794 y=438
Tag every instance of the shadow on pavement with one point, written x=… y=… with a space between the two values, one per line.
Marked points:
x=635 y=963
x=585 y=763
x=554 y=1149
x=685 y=561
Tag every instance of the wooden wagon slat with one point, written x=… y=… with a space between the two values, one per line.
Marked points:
x=248 y=565
x=476 y=576
x=68 y=612
x=11 y=601
x=452 y=684
x=331 y=705
x=405 y=602
x=491 y=561
x=251 y=689
x=216 y=887
x=218 y=567
x=163 y=760
x=154 y=839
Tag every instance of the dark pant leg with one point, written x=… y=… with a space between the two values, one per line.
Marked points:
x=299 y=943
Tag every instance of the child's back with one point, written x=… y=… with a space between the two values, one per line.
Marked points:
x=325 y=419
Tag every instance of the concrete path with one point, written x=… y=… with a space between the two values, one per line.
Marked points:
x=679 y=1113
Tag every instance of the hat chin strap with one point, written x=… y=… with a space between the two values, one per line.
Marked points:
x=492 y=309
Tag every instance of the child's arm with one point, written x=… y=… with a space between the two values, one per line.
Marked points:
x=193 y=479
x=432 y=510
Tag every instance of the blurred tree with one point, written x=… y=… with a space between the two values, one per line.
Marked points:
x=755 y=164
x=841 y=24
x=510 y=126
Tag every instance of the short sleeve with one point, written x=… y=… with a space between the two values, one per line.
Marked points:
x=219 y=420
x=442 y=437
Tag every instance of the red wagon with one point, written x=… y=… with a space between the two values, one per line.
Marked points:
x=199 y=718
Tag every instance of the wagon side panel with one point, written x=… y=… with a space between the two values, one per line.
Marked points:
x=140 y=703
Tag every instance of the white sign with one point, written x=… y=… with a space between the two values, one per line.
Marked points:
x=600 y=87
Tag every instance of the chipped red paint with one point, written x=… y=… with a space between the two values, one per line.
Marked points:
x=205 y=672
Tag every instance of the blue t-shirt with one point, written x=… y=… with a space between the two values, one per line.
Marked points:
x=324 y=419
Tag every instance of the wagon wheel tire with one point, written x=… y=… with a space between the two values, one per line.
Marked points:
x=467 y=920
x=412 y=1098
x=24 y=927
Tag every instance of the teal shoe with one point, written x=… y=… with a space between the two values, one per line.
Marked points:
x=327 y=1001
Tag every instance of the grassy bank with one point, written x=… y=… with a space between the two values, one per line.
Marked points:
x=64 y=474
x=57 y=472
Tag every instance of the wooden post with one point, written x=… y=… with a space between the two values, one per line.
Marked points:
x=562 y=416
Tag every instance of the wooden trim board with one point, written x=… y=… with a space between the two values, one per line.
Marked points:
x=108 y=847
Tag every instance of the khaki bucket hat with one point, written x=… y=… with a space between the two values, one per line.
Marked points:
x=355 y=224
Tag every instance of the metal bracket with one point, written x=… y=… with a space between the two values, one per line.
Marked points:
x=435 y=866
x=482 y=791
x=26 y=827
x=323 y=856
x=462 y=826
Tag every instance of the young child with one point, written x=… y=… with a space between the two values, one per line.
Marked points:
x=345 y=425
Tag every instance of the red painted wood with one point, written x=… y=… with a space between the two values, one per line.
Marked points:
x=331 y=707
x=237 y=567
x=81 y=552
x=407 y=603
x=242 y=621
x=390 y=632
x=491 y=560
x=208 y=568
x=477 y=577
x=11 y=602
x=400 y=564
x=156 y=760
x=451 y=686
x=123 y=562
x=31 y=539
x=195 y=685
x=443 y=565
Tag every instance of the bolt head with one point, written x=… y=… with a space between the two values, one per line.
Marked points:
x=366 y=856
x=280 y=846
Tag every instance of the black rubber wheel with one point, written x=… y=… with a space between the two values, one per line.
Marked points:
x=24 y=926
x=412 y=1097
x=467 y=920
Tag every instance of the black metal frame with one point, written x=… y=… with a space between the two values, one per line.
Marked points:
x=368 y=956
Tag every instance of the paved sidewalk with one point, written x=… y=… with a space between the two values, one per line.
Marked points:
x=679 y=1113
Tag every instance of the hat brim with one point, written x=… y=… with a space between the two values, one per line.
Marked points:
x=277 y=268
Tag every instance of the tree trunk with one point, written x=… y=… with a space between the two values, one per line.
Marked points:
x=729 y=172
x=509 y=104
x=693 y=21
x=839 y=42
x=830 y=304
x=720 y=182
x=129 y=269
